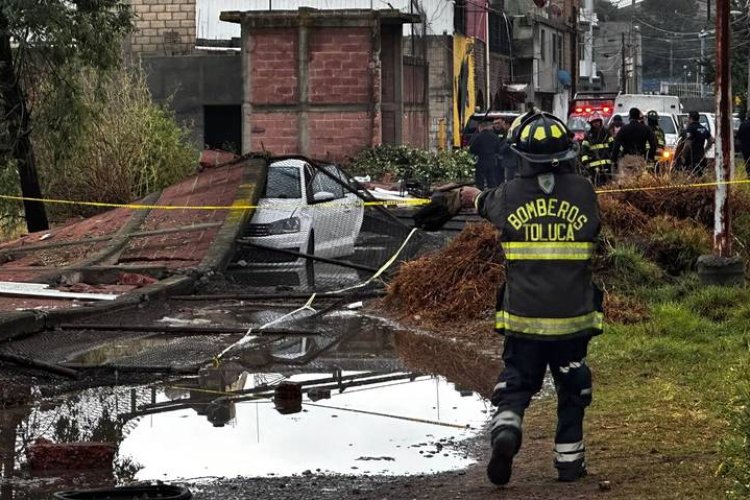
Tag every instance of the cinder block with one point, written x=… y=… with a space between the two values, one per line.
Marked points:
x=163 y=16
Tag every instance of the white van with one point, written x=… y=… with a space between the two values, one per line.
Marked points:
x=662 y=104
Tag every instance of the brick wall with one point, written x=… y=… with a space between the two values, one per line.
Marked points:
x=274 y=132
x=335 y=120
x=163 y=27
x=336 y=136
x=273 y=56
x=339 y=65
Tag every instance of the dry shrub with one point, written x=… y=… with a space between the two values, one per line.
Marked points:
x=457 y=282
x=652 y=195
x=621 y=217
x=630 y=166
x=624 y=309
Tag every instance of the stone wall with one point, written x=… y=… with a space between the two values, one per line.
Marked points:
x=163 y=27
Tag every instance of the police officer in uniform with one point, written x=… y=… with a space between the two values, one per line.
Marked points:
x=695 y=138
x=549 y=308
x=595 y=151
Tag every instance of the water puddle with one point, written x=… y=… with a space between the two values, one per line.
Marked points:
x=394 y=427
x=363 y=400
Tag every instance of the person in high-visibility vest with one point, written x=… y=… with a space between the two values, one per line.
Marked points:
x=548 y=308
x=596 y=151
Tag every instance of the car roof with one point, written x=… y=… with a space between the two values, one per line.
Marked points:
x=491 y=114
x=292 y=162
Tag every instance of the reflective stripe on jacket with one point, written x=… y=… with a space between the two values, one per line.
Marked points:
x=549 y=242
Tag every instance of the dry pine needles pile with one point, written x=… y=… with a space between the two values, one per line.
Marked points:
x=456 y=283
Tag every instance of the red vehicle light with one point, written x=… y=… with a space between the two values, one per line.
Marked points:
x=579 y=110
x=588 y=110
x=606 y=109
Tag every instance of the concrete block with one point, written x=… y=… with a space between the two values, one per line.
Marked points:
x=158 y=8
x=163 y=16
x=179 y=16
x=158 y=24
x=721 y=271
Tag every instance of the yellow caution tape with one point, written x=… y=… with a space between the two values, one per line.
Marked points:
x=234 y=206
x=377 y=203
x=673 y=186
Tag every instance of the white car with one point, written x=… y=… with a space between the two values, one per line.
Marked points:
x=306 y=211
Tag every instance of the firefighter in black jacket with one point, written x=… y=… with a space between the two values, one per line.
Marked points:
x=549 y=308
x=595 y=151
x=634 y=139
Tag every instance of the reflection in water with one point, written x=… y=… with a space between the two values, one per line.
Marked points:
x=355 y=409
x=113 y=351
x=451 y=359
x=401 y=419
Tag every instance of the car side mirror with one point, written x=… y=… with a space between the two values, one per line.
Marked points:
x=323 y=196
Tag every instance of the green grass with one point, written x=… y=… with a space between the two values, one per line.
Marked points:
x=677 y=388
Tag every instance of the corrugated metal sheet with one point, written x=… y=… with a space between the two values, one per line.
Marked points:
x=438 y=13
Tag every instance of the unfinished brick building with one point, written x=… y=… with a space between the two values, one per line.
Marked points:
x=326 y=83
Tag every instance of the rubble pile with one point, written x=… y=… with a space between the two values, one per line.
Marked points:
x=669 y=227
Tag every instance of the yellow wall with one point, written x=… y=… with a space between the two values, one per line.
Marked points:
x=462 y=48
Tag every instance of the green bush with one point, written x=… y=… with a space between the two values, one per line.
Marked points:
x=626 y=268
x=108 y=144
x=403 y=162
x=676 y=244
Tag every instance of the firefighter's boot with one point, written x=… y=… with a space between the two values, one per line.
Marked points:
x=570 y=461
x=567 y=473
x=505 y=445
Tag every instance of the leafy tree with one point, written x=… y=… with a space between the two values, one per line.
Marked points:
x=49 y=40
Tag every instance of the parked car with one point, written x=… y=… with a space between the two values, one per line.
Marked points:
x=471 y=126
x=304 y=210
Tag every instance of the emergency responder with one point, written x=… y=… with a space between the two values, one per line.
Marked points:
x=596 y=151
x=694 y=141
x=615 y=125
x=548 y=309
x=743 y=139
x=652 y=119
x=486 y=146
x=634 y=139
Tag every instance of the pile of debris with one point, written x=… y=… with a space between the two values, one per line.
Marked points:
x=454 y=284
x=667 y=228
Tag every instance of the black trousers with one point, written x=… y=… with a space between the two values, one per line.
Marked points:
x=488 y=175
x=526 y=363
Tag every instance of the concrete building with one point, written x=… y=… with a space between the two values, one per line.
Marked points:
x=545 y=51
x=618 y=48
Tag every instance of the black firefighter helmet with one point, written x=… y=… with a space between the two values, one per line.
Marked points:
x=543 y=138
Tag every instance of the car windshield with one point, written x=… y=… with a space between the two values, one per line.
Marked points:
x=283 y=182
x=667 y=124
x=578 y=123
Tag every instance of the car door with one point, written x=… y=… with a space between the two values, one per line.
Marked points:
x=353 y=209
x=329 y=218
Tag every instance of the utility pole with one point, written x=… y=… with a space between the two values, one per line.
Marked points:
x=671 y=61
x=724 y=157
x=702 y=36
x=623 y=72
x=722 y=268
